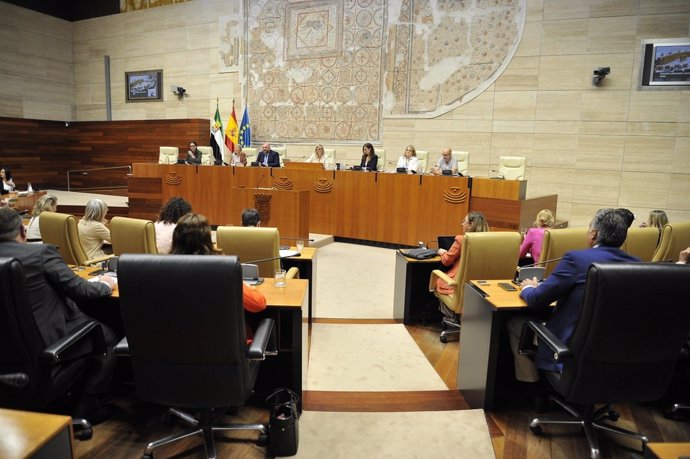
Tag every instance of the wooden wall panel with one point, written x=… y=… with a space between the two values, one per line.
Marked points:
x=41 y=152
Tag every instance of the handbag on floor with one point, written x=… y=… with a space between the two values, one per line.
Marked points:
x=283 y=425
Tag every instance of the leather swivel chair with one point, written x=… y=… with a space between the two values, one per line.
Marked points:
x=623 y=348
x=512 y=167
x=252 y=155
x=252 y=243
x=674 y=238
x=38 y=376
x=329 y=162
x=483 y=256
x=207 y=158
x=423 y=160
x=168 y=155
x=463 y=158
x=61 y=230
x=187 y=341
x=381 y=153
x=559 y=241
x=282 y=152
x=132 y=235
x=642 y=243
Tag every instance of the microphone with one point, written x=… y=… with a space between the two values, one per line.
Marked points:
x=17 y=380
x=279 y=257
x=541 y=262
x=501 y=176
x=532 y=270
x=259 y=182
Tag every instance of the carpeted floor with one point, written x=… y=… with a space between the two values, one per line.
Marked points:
x=394 y=435
x=355 y=282
x=366 y=357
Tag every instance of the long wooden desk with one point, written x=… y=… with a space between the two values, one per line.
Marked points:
x=306 y=263
x=485 y=362
x=36 y=435
x=288 y=306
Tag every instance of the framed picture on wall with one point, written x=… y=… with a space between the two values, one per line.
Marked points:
x=144 y=85
x=666 y=63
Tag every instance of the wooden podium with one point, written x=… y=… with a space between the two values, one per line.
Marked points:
x=504 y=204
x=286 y=210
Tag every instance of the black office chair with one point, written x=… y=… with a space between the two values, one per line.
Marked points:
x=624 y=347
x=37 y=376
x=184 y=322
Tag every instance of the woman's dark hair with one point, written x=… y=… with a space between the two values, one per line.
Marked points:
x=192 y=236
x=8 y=173
x=371 y=149
x=194 y=142
x=173 y=210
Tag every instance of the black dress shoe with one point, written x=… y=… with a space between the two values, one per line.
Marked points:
x=93 y=410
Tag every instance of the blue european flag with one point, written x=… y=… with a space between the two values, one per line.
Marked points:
x=245 y=136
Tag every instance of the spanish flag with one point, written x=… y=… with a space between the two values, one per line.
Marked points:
x=232 y=131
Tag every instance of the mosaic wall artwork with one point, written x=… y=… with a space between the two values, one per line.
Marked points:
x=230 y=30
x=332 y=69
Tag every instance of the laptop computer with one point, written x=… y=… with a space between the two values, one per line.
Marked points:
x=445 y=242
x=401 y=170
x=357 y=168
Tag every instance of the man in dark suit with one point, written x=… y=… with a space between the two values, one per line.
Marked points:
x=566 y=286
x=268 y=157
x=52 y=289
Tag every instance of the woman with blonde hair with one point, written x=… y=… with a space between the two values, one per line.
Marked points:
x=46 y=203
x=474 y=222
x=535 y=236
x=657 y=219
x=93 y=231
x=409 y=160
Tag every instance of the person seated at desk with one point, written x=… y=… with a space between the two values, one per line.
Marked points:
x=657 y=219
x=627 y=215
x=7 y=183
x=474 y=222
x=446 y=163
x=167 y=220
x=251 y=217
x=566 y=286
x=46 y=203
x=535 y=236
x=319 y=156
x=268 y=157
x=409 y=160
x=53 y=292
x=93 y=229
x=192 y=236
x=369 y=158
x=193 y=155
x=238 y=158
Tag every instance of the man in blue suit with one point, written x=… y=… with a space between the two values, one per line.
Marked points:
x=566 y=286
x=268 y=157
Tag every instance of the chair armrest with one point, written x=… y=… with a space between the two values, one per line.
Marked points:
x=293 y=273
x=264 y=337
x=530 y=328
x=60 y=350
x=121 y=349
x=437 y=273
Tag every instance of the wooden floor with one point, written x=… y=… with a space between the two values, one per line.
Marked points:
x=125 y=435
